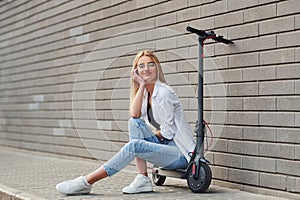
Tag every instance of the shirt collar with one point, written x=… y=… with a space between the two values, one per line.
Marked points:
x=155 y=91
x=156 y=88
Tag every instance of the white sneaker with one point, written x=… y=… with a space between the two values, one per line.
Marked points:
x=140 y=184
x=75 y=186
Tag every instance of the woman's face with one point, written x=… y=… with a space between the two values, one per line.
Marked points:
x=147 y=69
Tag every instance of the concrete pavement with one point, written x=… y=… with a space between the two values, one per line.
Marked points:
x=33 y=175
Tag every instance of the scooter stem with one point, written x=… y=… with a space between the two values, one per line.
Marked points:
x=200 y=126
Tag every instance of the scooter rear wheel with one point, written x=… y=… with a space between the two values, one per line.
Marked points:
x=201 y=184
x=158 y=179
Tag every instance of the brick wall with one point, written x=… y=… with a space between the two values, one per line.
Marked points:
x=65 y=79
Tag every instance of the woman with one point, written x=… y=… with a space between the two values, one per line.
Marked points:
x=157 y=129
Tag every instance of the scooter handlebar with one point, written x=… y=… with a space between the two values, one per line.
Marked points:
x=217 y=38
x=197 y=31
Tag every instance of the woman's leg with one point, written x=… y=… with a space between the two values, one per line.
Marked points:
x=141 y=166
x=96 y=175
x=143 y=145
x=139 y=130
x=158 y=154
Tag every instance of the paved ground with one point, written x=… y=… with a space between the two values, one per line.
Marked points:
x=27 y=175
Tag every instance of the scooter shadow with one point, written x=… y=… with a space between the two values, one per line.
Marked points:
x=173 y=188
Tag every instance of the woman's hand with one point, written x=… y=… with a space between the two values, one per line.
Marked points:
x=158 y=134
x=135 y=76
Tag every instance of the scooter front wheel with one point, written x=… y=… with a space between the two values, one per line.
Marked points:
x=202 y=183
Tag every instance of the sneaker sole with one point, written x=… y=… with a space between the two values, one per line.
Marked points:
x=76 y=193
x=141 y=190
x=79 y=193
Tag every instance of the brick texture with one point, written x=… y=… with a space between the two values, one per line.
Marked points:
x=65 y=66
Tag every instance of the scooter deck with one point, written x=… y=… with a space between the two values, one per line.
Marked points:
x=177 y=173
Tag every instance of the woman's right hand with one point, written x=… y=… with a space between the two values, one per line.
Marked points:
x=137 y=78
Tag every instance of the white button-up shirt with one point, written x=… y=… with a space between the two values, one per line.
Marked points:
x=168 y=112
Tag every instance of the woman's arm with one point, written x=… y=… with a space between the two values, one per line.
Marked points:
x=135 y=108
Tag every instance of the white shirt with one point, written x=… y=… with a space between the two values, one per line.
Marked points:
x=168 y=112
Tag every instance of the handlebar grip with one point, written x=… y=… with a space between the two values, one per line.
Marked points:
x=223 y=40
x=197 y=31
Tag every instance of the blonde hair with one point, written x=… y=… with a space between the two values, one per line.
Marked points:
x=160 y=75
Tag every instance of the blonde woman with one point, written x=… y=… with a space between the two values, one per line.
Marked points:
x=158 y=131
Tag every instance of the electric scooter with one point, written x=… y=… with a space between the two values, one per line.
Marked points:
x=198 y=172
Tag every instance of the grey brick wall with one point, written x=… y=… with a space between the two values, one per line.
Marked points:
x=65 y=80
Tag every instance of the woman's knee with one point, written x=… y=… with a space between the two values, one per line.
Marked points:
x=131 y=122
x=133 y=145
x=138 y=129
x=134 y=121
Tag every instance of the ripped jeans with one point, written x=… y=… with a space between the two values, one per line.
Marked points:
x=145 y=145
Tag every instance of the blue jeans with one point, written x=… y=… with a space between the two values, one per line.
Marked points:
x=145 y=145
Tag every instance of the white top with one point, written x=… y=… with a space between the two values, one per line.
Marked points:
x=168 y=112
